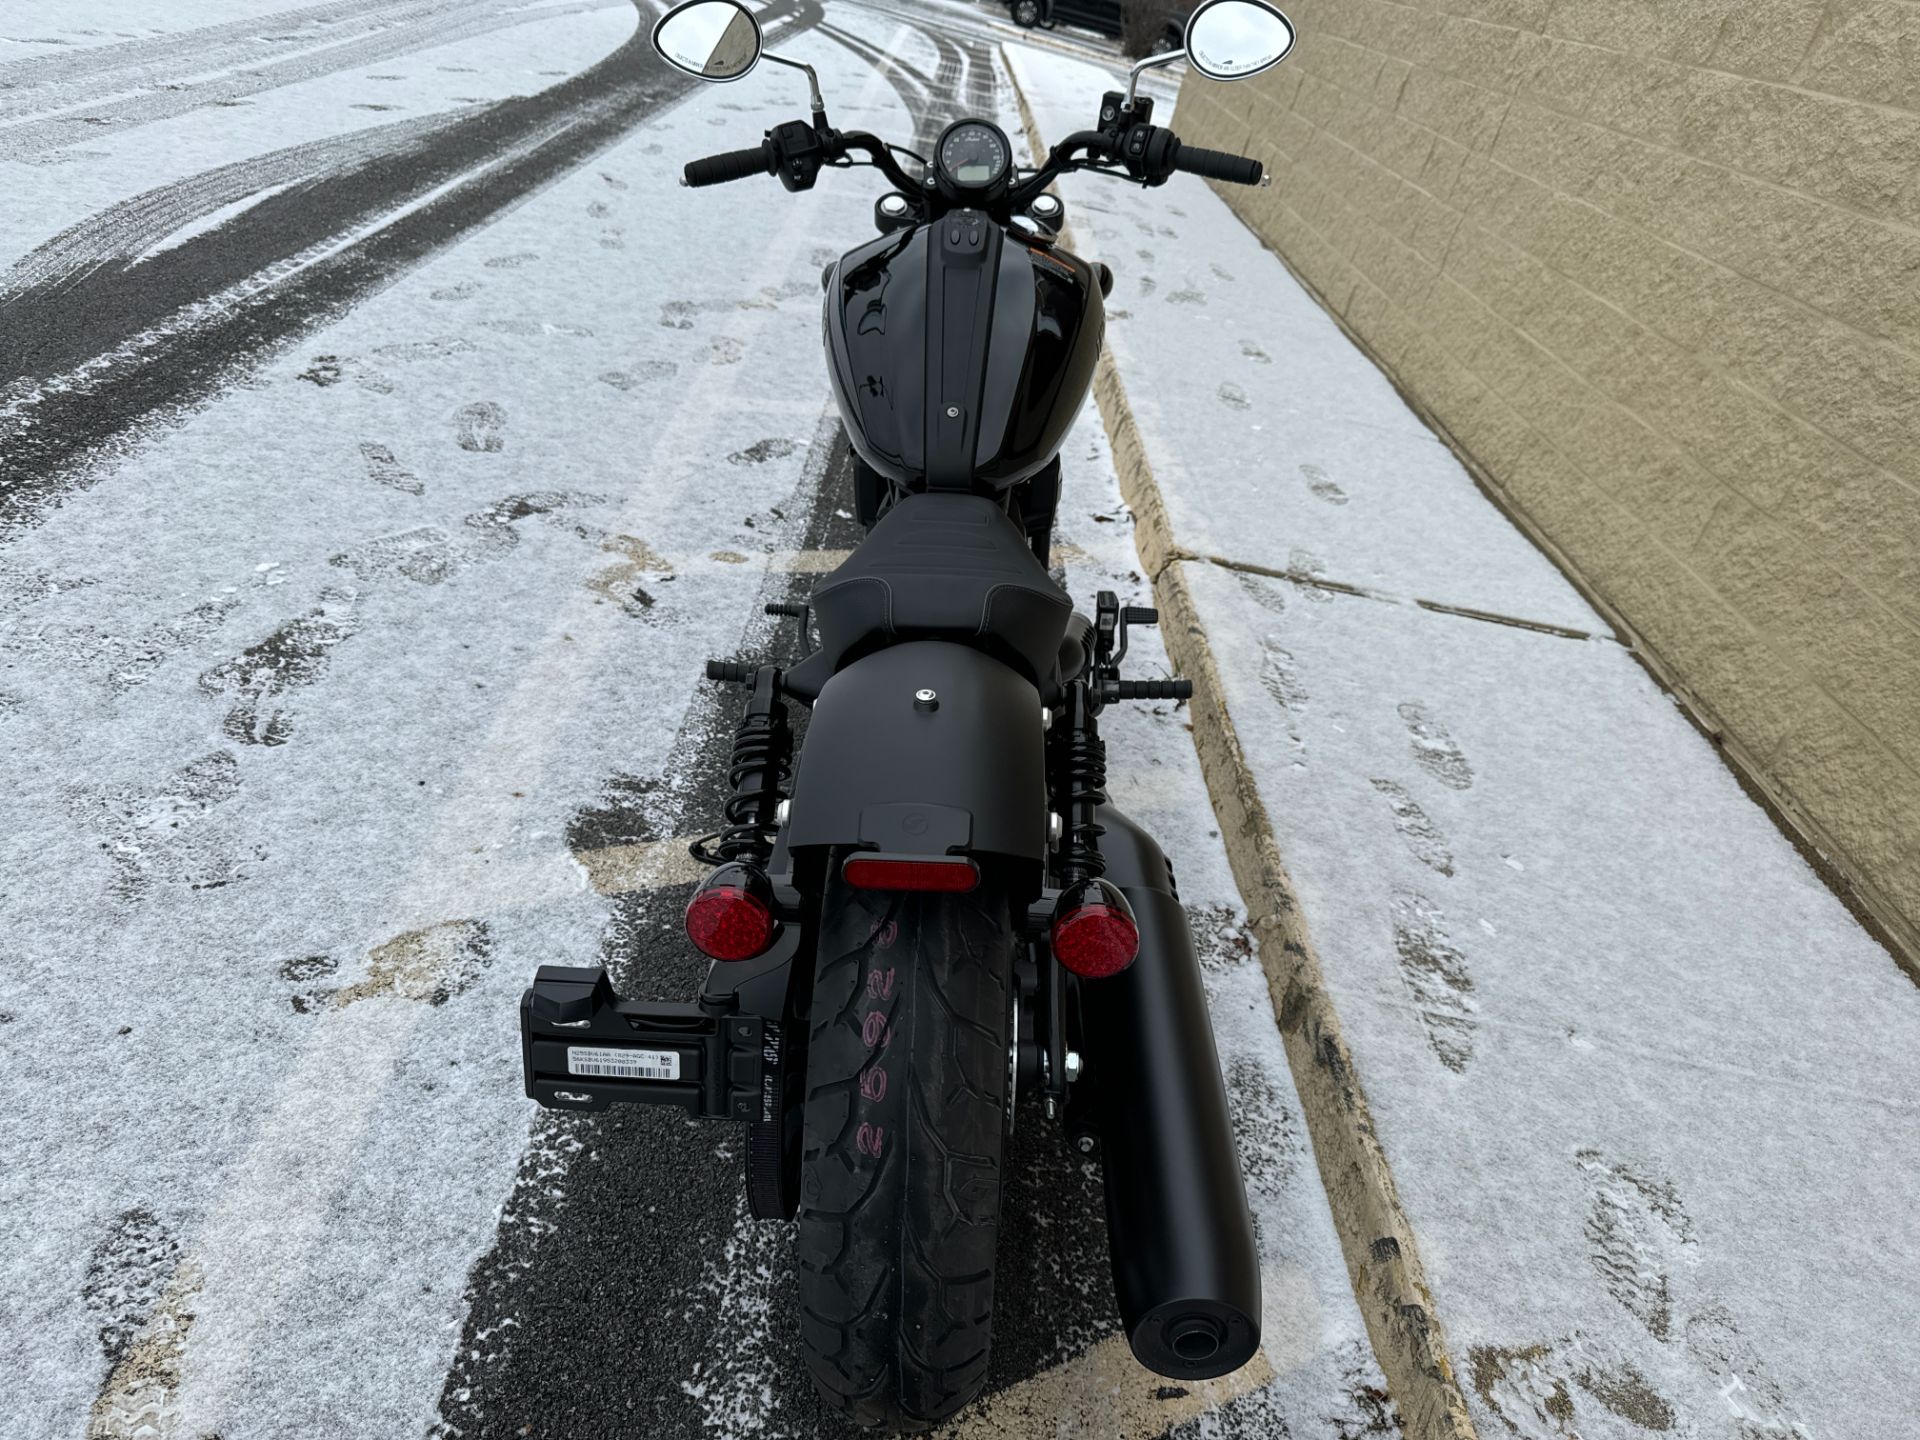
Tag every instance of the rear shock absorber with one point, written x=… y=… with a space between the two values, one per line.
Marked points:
x=1082 y=787
x=759 y=771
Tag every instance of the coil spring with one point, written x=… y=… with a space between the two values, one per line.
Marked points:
x=762 y=765
x=1084 y=764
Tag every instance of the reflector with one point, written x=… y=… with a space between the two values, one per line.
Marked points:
x=1095 y=940
x=727 y=922
x=865 y=872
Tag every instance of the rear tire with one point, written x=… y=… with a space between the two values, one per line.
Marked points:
x=901 y=1161
x=1026 y=13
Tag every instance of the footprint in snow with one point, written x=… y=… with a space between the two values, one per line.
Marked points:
x=1187 y=297
x=1561 y=1389
x=1422 y=836
x=1434 y=973
x=761 y=451
x=1255 y=353
x=127 y=1274
x=723 y=351
x=1233 y=396
x=461 y=291
x=1641 y=1238
x=329 y=370
x=1321 y=484
x=383 y=468
x=1434 y=749
x=536 y=327
x=477 y=427
x=510 y=262
x=303 y=971
x=644 y=373
x=1760 y=1407
x=410 y=352
x=291 y=658
x=166 y=831
x=1263 y=592
x=1310 y=567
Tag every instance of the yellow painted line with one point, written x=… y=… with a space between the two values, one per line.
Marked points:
x=1103 y=1392
x=807 y=562
x=646 y=865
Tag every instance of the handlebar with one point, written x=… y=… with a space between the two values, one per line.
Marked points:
x=732 y=165
x=1218 y=165
x=796 y=151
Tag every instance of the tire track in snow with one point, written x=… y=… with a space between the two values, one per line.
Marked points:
x=913 y=86
x=418 y=27
x=125 y=231
x=177 y=53
x=125 y=347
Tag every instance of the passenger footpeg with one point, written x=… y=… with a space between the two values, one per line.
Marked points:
x=1110 y=648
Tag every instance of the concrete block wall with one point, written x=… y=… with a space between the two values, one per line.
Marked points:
x=1653 y=265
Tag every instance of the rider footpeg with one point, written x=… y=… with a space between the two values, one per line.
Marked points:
x=1146 y=690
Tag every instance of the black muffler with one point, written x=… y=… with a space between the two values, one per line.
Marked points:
x=1185 y=1268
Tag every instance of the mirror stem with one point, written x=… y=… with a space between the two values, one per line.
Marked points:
x=1152 y=62
x=813 y=80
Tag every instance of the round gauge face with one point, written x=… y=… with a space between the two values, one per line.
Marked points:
x=974 y=155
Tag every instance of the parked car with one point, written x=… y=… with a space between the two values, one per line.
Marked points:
x=1174 y=37
x=1100 y=15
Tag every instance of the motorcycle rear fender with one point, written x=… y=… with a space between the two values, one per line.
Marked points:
x=961 y=773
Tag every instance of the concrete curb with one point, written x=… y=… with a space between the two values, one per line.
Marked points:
x=1383 y=1262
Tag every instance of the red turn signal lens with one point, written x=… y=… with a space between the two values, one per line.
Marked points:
x=727 y=919
x=866 y=872
x=1094 y=934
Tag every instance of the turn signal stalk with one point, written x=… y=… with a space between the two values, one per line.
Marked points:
x=1094 y=934
x=731 y=915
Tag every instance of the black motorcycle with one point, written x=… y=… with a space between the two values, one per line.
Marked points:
x=931 y=913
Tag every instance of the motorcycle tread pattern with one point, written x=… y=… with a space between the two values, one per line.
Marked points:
x=896 y=1252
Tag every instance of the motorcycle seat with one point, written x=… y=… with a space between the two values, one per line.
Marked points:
x=939 y=567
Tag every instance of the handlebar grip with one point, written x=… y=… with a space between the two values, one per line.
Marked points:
x=1218 y=165
x=733 y=165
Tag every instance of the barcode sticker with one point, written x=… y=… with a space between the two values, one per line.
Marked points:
x=624 y=1064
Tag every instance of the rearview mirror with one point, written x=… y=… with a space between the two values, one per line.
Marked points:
x=1233 y=39
x=709 y=39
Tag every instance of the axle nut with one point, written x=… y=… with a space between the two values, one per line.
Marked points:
x=925 y=700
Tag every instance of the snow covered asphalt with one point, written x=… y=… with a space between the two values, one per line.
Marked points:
x=386 y=442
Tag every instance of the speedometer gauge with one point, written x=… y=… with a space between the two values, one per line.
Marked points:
x=973 y=156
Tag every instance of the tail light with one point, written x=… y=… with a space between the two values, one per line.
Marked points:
x=1094 y=934
x=731 y=915
x=950 y=875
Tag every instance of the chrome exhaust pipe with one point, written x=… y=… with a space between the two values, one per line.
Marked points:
x=1186 y=1271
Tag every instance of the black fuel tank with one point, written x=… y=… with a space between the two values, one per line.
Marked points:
x=960 y=353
